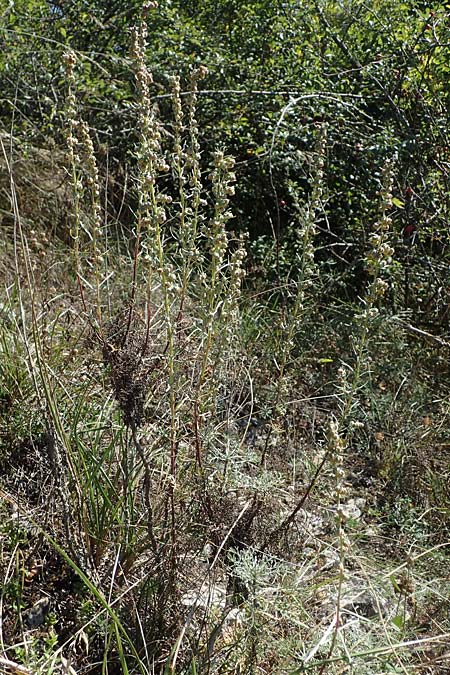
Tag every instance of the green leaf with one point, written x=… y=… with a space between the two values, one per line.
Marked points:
x=398 y=203
x=399 y=622
x=394 y=583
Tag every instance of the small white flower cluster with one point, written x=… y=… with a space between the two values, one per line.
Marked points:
x=306 y=230
x=85 y=183
x=178 y=119
x=337 y=446
x=380 y=257
x=193 y=158
x=318 y=165
x=187 y=173
x=92 y=180
x=236 y=274
x=379 y=260
x=71 y=112
x=70 y=60
x=222 y=179
x=150 y=159
x=222 y=278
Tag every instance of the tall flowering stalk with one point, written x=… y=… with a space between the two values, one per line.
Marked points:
x=70 y=61
x=152 y=203
x=151 y=217
x=150 y=163
x=306 y=230
x=187 y=175
x=222 y=179
x=379 y=259
x=220 y=281
x=86 y=188
x=379 y=262
x=92 y=181
x=236 y=275
x=193 y=154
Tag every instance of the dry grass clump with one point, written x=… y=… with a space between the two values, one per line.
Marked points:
x=127 y=350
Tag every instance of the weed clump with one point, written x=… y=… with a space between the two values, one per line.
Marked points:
x=127 y=351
